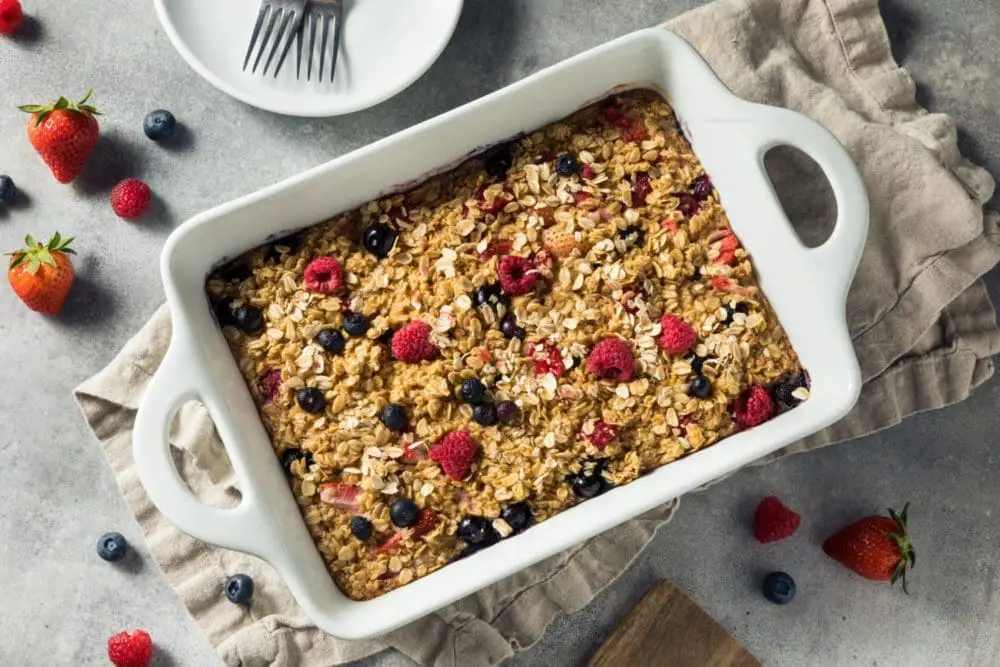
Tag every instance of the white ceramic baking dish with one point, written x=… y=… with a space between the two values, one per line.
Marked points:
x=806 y=287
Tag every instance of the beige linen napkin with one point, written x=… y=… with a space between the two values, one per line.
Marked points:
x=922 y=323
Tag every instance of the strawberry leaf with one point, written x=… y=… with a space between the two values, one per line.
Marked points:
x=61 y=103
x=54 y=242
x=32 y=108
x=85 y=98
x=45 y=257
x=29 y=241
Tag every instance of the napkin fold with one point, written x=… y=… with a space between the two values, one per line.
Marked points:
x=922 y=324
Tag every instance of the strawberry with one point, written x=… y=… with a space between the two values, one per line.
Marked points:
x=773 y=521
x=130 y=649
x=64 y=133
x=41 y=275
x=342 y=496
x=426 y=522
x=11 y=16
x=875 y=547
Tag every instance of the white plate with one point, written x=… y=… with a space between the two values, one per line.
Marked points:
x=386 y=46
x=806 y=286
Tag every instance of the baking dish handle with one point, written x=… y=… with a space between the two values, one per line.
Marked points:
x=175 y=383
x=839 y=255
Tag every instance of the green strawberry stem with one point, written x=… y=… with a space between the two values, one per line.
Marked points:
x=43 y=110
x=34 y=254
x=907 y=556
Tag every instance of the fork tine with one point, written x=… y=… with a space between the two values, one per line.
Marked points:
x=275 y=14
x=278 y=38
x=312 y=45
x=264 y=8
x=339 y=16
x=294 y=19
x=322 y=44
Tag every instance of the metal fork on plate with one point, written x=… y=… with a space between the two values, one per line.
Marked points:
x=290 y=18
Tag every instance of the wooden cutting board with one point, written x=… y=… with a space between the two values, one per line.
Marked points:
x=667 y=628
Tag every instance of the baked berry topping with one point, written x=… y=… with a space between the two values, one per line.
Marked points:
x=361 y=528
x=324 y=275
x=641 y=187
x=485 y=414
x=632 y=236
x=342 y=496
x=676 y=335
x=611 y=359
x=508 y=412
x=510 y=328
x=753 y=407
x=310 y=399
x=379 y=239
x=498 y=161
x=331 y=340
x=490 y=294
x=249 y=319
x=688 y=205
x=476 y=531
x=700 y=387
x=548 y=359
x=567 y=164
x=731 y=310
x=701 y=188
x=356 y=324
x=293 y=454
x=412 y=343
x=403 y=513
x=517 y=274
x=588 y=485
x=517 y=516
x=394 y=417
x=269 y=384
x=602 y=434
x=456 y=452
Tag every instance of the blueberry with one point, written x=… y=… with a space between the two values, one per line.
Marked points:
x=239 y=589
x=249 y=319
x=356 y=324
x=7 y=188
x=509 y=327
x=779 y=588
x=700 y=387
x=159 y=125
x=477 y=531
x=588 y=486
x=361 y=527
x=701 y=188
x=403 y=513
x=472 y=391
x=112 y=547
x=394 y=417
x=379 y=239
x=498 y=161
x=697 y=363
x=223 y=309
x=491 y=294
x=507 y=412
x=293 y=454
x=485 y=414
x=567 y=165
x=517 y=516
x=782 y=394
x=237 y=270
x=331 y=340
x=730 y=309
x=310 y=399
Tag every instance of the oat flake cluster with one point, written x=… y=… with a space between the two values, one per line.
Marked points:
x=463 y=360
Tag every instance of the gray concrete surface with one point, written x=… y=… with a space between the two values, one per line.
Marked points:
x=59 y=602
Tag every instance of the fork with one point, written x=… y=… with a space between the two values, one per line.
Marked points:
x=287 y=15
x=321 y=13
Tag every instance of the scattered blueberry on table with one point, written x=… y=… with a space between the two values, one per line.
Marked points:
x=159 y=125
x=112 y=547
x=779 y=588
x=239 y=589
x=7 y=188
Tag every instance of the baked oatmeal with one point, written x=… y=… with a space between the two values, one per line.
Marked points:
x=443 y=368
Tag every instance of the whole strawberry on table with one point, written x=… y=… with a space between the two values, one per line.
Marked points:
x=875 y=547
x=42 y=274
x=64 y=134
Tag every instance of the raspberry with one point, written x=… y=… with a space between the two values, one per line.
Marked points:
x=342 y=496
x=548 y=359
x=603 y=434
x=676 y=335
x=587 y=171
x=773 y=521
x=753 y=407
x=269 y=383
x=324 y=275
x=130 y=198
x=412 y=343
x=455 y=452
x=611 y=359
x=640 y=188
x=635 y=132
x=517 y=274
x=130 y=649
x=11 y=16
